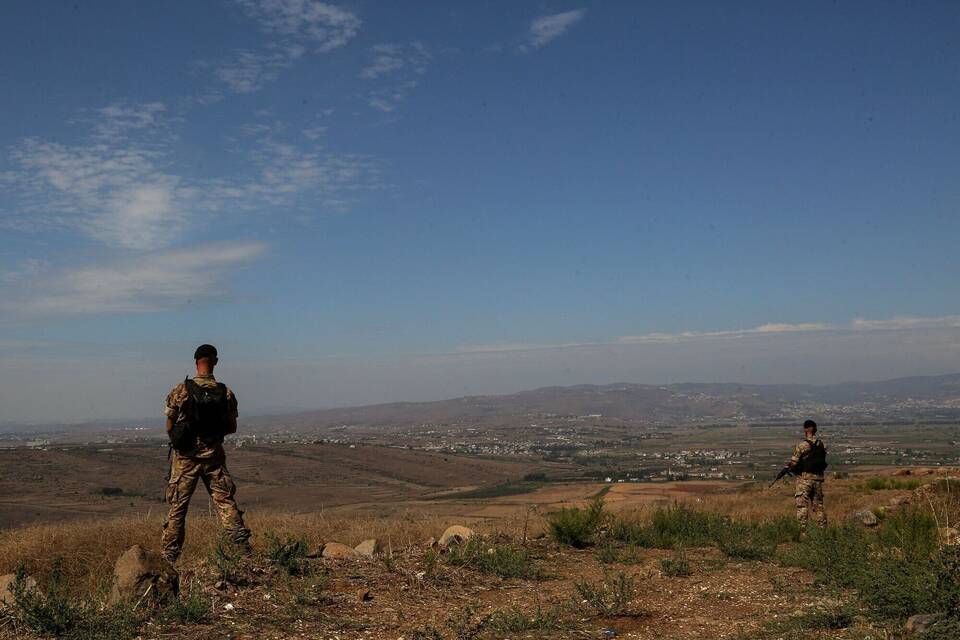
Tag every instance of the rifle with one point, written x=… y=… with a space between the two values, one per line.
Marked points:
x=783 y=472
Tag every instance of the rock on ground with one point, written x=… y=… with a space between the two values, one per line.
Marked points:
x=6 y=588
x=920 y=623
x=455 y=534
x=143 y=577
x=866 y=518
x=337 y=550
x=949 y=536
x=369 y=548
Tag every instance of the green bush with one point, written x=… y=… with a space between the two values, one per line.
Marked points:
x=747 y=542
x=516 y=620
x=681 y=525
x=52 y=609
x=677 y=567
x=192 y=606
x=505 y=561
x=225 y=558
x=896 y=571
x=289 y=554
x=610 y=597
x=912 y=531
x=577 y=527
x=882 y=484
x=821 y=619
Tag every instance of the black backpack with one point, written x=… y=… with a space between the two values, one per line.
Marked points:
x=816 y=459
x=207 y=411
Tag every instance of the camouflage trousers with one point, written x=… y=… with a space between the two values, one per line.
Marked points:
x=185 y=471
x=809 y=497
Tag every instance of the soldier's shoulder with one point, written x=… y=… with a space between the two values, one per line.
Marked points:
x=804 y=445
x=178 y=390
x=230 y=394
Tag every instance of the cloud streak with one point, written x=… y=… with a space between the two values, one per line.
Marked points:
x=154 y=282
x=297 y=27
x=548 y=28
x=397 y=68
x=115 y=187
x=858 y=325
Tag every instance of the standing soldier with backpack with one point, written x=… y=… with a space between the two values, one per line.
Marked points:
x=200 y=412
x=809 y=461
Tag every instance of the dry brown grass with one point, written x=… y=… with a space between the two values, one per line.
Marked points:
x=90 y=548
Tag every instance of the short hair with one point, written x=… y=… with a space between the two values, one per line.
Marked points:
x=810 y=424
x=205 y=351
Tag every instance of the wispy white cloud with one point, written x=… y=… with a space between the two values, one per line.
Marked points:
x=119 y=119
x=907 y=322
x=389 y=98
x=764 y=329
x=297 y=27
x=153 y=282
x=23 y=271
x=545 y=29
x=116 y=188
x=320 y=25
x=859 y=325
x=250 y=71
x=113 y=192
x=396 y=69
x=393 y=58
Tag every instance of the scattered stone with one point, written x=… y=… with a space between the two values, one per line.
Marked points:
x=369 y=548
x=609 y=632
x=865 y=517
x=900 y=501
x=920 y=623
x=229 y=607
x=364 y=595
x=949 y=536
x=431 y=542
x=902 y=472
x=220 y=585
x=455 y=534
x=6 y=588
x=337 y=550
x=142 y=577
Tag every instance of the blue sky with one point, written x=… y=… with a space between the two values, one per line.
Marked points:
x=366 y=201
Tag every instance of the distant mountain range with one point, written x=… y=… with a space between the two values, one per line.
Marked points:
x=929 y=396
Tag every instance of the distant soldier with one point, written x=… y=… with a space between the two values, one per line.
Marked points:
x=809 y=461
x=200 y=412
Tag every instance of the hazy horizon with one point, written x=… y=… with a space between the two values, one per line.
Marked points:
x=366 y=202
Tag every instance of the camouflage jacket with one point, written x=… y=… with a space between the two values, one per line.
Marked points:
x=174 y=409
x=801 y=451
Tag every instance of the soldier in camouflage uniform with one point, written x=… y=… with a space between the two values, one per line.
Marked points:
x=809 y=462
x=200 y=412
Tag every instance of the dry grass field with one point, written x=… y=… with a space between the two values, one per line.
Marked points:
x=76 y=482
x=518 y=582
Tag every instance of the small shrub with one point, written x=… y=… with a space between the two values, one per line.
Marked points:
x=225 y=558
x=816 y=620
x=610 y=597
x=577 y=527
x=746 y=542
x=681 y=525
x=516 y=620
x=506 y=561
x=52 y=609
x=912 y=531
x=191 y=607
x=289 y=554
x=607 y=554
x=676 y=567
